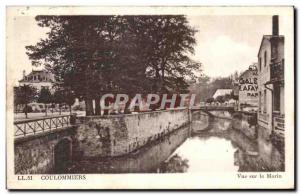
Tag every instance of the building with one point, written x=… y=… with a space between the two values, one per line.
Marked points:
x=248 y=90
x=271 y=81
x=222 y=92
x=38 y=79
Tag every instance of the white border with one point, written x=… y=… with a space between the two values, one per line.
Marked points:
x=86 y=2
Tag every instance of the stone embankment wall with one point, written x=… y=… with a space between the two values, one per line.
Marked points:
x=117 y=135
x=94 y=136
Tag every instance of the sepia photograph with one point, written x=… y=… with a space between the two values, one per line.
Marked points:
x=151 y=95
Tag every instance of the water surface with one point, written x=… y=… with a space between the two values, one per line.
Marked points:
x=219 y=149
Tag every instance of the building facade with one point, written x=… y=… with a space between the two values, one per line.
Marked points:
x=38 y=79
x=271 y=81
x=248 y=90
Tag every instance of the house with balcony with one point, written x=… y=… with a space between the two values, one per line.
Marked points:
x=270 y=115
x=38 y=79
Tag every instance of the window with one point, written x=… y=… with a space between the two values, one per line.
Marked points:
x=265 y=101
x=276 y=98
x=259 y=64
x=265 y=58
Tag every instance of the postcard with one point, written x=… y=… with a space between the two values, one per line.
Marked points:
x=150 y=97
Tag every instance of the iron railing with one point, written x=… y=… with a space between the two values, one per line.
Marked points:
x=34 y=126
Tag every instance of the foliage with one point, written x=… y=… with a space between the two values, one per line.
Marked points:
x=27 y=109
x=24 y=94
x=206 y=87
x=220 y=99
x=210 y=100
x=64 y=96
x=58 y=97
x=45 y=96
x=69 y=97
x=92 y=55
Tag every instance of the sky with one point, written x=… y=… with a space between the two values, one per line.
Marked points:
x=225 y=44
x=228 y=43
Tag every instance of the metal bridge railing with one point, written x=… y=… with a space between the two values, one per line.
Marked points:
x=34 y=126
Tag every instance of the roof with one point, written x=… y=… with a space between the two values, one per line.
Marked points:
x=248 y=70
x=47 y=74
x=231 y=101
x=268 y=37
x=222 y=92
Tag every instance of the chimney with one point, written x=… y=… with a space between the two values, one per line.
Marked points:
x=24 y=74
x=275 y=25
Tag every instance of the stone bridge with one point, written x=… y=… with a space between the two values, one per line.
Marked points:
x=228 y=108
x=218 y=120
x=44 y=145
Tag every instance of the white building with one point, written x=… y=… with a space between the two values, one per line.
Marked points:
x=38 y=79
x=271 y=81
x=222 y=92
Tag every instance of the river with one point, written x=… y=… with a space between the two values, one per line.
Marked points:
x=184 y=150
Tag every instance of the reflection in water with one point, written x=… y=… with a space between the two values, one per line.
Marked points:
x=175 y=164
x=145 y=160
x=264 y=157
x=211 y=154
x=219 y=149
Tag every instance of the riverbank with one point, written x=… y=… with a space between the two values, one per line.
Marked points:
x=180 y=151
x=115 y=135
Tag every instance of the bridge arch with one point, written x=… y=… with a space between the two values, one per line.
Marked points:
x=62 y=154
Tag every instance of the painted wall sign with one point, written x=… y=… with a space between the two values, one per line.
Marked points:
x=248 y=88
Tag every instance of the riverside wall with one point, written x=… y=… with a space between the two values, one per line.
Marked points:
x=117 y=135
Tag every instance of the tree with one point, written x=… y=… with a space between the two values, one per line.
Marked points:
x=206 y=87
x=23 y=95
x=92 y=55
x=201 y=89
x=45 y=97
x=164 y=45
x=69 y=98
x=64 y=96
x=58 y=99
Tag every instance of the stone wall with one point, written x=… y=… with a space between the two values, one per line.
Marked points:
x=117 y=135
x=35 y=154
